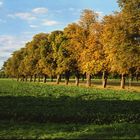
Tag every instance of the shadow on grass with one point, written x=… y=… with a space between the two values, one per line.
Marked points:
x=67 y=109
x=15 y=130
x=117 y=131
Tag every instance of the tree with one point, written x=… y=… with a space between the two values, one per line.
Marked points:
x=130 y=10
x=90 y=57
x=118 y=46
x=63 y=61
x=75 y=43
x=87 y=18
x=45 y=56
x=55 y=39
x=13 y=63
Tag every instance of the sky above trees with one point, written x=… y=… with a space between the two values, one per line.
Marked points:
x=20 y=20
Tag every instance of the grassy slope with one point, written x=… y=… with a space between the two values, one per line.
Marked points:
x=48 y=111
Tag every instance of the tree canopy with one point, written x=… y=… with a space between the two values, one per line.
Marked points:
x=90 y=46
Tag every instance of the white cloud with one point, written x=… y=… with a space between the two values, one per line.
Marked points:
x=71 y=9
x=33 y=26
x=25 y=16
x=40 y=10
x=9 y=43
x=1 y=3
x=100 y=14
x=29 y=16
x=49 y=22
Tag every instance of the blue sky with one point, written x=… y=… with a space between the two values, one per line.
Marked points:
x=20 y=20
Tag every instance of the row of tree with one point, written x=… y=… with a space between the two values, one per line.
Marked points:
x=89 y=47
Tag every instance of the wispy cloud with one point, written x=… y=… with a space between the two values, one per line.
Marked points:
x=31 y=15
x=47 y=22
x=100 y=14
x=1 y=3
x=40 y=10
x=24 y=16
x=33 y=26
x=71 y=9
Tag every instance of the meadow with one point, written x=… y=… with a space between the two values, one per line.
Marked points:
x=48 y=111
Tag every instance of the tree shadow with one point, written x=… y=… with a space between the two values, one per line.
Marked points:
x=119 y=131
x=65 y=109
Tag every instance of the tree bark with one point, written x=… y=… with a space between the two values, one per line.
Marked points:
x=77 y=77
x=130 y=80
x=77 y=80
x=67 y=75
x=38 y=78
x=35 y=78
x=23 y=78
x=88 y=76
x=31 y=78
x=51 y=78
x=104 y=79
x=45 y=78
x=26 y=78
x=123 y=81
x=83 y=77
x=137 y=77
x=17 y=78
x=58 y=79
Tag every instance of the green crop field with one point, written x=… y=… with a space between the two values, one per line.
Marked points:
x=37 y=110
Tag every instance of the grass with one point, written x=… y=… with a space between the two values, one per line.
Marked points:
x=36 y=110
x=28 y=130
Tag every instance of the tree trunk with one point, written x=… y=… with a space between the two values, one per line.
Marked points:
x=137 y=77
x=38 y=78
x=66 y=81
x=88 y=76
x=26 y=79
x=77 y=80
x=35 y=78
x=67 y=75
x=31 y=78
x=45 y=79
x=77 y=76
x=130 y=80
x=23 y=78
x=123 y=81
x=51 y=78
x=104 y=79
x=17 y=78
x=83 y=77
x=58 y=79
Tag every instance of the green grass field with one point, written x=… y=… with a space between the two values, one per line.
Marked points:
x=37 y=110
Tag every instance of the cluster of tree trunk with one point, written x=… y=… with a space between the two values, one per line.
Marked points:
x=77 y=79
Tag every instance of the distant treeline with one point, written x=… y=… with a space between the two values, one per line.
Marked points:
x=87 y=48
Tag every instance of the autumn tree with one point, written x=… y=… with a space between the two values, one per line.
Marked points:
x=13 y=63
x=44 y=57
x=75 y=38
x=63 y=61
x=118 y=46
x=130 y=10
x=90 y=60
x=55 y=39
